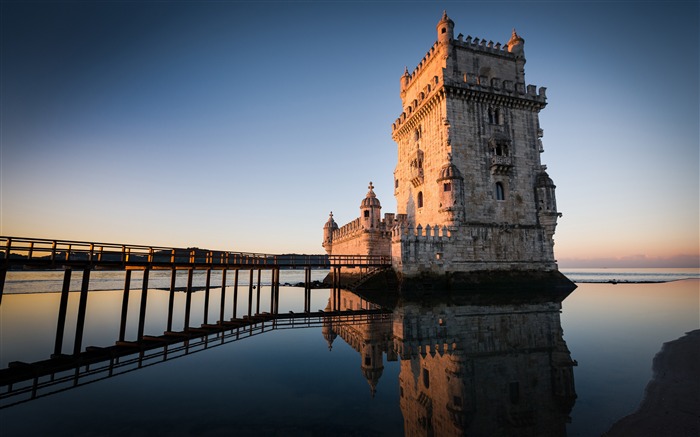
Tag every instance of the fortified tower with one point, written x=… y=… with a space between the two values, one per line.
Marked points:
x=472 y=194
x=471 y=191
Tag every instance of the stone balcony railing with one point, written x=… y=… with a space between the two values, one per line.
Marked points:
x=501 y=164
x=416 y=176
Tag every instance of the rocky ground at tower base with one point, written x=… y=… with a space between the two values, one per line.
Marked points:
x=472 y=288
x=671 y=404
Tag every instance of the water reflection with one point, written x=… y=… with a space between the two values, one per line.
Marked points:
x=500 y=369
x=454 y=366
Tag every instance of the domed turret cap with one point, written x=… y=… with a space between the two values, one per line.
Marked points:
x=449 y=171
x=445 y=19
x=330 y=223
x=543 y=180
x=370 y=201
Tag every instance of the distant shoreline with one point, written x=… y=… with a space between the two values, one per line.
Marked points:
x=625 y=281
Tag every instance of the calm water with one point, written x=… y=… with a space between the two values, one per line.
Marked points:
x=487 y=369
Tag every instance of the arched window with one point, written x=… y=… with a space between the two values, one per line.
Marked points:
x=420 y=199
x=500 y=194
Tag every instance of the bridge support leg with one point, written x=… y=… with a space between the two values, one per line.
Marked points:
x=188 y=299
x=336 y=288
x=223 y=296
x=272 y=291
x=250 y=294
x=307 y=289
x=235 y=294
x=62 y=309
x=82 y=309
x=142 y=308
x=3 y=274
x=277 y=293
x=125 y=305
x=257 y=303
x=171 y=299
x=206 y=297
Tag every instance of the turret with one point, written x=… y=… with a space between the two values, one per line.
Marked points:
x=328 y=229
x=516 y=44
x=546 y=205
x=445 y=29
x=370 y=210
x=450 y=186
x=405 y=79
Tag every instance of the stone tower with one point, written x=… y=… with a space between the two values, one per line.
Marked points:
x=475 y=204
x=471 y=191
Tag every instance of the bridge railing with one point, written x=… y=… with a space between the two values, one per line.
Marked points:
x=65 y=251
x=52 y=253
x=359 y=260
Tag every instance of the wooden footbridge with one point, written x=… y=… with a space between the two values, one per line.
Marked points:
x=44 y=254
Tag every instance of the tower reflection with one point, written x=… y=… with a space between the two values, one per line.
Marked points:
x=482 y=369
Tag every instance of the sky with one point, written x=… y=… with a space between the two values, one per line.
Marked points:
x=240 y=125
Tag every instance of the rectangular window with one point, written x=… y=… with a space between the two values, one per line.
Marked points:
x=426 y=378
x=447 y=186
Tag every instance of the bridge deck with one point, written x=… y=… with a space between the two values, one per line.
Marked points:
x=37 y=253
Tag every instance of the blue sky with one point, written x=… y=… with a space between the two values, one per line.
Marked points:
x=240 y=125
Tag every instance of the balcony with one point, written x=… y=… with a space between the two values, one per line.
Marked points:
x=501 y=164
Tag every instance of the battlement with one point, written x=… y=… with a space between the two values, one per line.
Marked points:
x=473 y=44
x=355 y=228
x=419 y=68
x=481 y=45
x=349 y=230
x=482 y=88
x=429 y=233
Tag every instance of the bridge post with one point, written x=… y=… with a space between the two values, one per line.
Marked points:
x=142 y=308
x=188 y=298
x=257 y=305
x=125 y=305
x=275 y=291
x=63 y=306
x=171 y=297
x=235 y=294
x=3 y=274
x=82 y=308
x=307 y=289
x=250 y=294
x=206 y=297
x=272 y=290
x=223 y=296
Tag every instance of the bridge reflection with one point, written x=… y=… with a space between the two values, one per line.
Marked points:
x=22 y=382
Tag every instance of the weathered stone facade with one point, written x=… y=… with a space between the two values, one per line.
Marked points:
x=472 y=194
